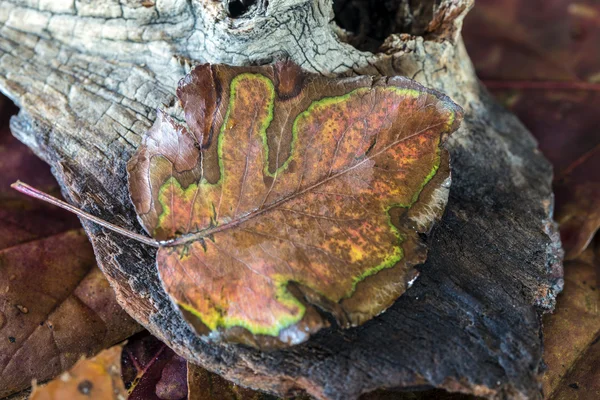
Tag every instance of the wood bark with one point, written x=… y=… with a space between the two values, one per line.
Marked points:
x=89 y=74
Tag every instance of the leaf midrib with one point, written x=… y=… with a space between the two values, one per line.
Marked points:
x=191 y=237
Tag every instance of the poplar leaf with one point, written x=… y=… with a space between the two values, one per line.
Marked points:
x=291 y=194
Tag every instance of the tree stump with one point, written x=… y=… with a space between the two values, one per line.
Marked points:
x=89 y=74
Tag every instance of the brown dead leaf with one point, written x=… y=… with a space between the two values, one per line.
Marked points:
x=291 y=192
x=584 y=378
x=572 y=333
x=55 y=304
x=97 y=378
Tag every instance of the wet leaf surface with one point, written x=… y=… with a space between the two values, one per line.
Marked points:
x=308 y=192
x=95 y=378
x=55 y=304
x=542 y=59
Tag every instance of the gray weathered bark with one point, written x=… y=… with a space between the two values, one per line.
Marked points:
x=88 y=76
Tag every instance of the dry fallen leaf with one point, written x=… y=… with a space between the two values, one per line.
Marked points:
x=308 y=191
x=572 y=333
x=97 y=378
x=55 y=304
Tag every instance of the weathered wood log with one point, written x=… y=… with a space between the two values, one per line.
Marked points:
x=88 y=76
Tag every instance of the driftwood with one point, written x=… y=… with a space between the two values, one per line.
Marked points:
x=88 y=76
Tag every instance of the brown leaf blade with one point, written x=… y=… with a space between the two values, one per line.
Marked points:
x=307 y=192
x=571 y=345
x=584 y=378
x=95 y=378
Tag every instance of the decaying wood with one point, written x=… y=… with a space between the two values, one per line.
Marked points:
x=88 y=76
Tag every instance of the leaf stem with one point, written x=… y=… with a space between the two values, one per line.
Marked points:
x=33 y=192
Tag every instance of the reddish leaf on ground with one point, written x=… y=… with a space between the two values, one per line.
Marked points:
x=542 y=58
x=55 y=304
x=308 y=191
x=95 y=378
x=572 y=333
x=152 y=371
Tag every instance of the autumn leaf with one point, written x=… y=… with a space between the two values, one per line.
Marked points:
x=96 y=378
x=291 y=191
x=55 y=304
x=572 y=333
x=541 y=58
